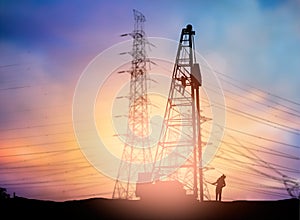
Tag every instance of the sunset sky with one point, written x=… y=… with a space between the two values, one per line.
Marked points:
x=46 y=46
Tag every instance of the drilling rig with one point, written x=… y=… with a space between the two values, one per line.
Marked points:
x=178 y=155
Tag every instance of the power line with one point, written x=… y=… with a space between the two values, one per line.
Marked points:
x=262 y=138
x=258 y=89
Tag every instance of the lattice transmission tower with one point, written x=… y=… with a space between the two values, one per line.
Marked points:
x=179 y=151
x=136 y=153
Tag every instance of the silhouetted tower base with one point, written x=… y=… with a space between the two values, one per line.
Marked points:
x=179 y=151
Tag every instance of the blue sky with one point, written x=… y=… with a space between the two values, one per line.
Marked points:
x=259 y=40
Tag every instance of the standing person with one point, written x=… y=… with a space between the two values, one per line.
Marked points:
x=220 y=183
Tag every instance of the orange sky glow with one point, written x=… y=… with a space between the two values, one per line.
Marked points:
x=47 y=161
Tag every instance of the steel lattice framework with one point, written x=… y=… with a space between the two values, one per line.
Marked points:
x=137 y=145
x=179 y=150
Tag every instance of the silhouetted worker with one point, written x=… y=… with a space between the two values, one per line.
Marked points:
x=220 y=183
x=183 y=81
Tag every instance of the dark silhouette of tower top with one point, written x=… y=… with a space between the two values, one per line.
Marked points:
x=188 y=29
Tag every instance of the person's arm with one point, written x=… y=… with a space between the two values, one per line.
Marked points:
x=215 y=183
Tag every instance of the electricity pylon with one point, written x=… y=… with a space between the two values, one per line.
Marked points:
x=137 y=145
x=179 y=151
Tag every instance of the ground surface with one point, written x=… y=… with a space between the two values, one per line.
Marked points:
x=98 y=208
